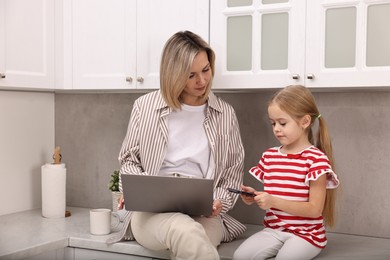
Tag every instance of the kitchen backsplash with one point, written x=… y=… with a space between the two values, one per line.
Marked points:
x=90 y=129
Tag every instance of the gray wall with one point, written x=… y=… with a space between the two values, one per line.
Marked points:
x=90 y=128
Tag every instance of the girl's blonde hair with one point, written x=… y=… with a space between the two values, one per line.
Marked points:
x=176 y=61
x=298 y=101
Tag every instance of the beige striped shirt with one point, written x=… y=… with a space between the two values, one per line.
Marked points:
x=144 y=148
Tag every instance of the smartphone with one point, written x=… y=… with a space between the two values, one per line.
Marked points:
x=242 y=192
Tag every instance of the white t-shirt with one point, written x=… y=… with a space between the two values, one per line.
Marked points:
x=188 y=151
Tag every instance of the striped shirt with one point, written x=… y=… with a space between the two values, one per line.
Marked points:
x=287 y=176
x=145 y=145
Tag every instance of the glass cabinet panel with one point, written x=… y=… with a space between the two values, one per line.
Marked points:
x=340 y=37
x=274 y=41
x=378 y=35
x=239 y=39
x=234 y=3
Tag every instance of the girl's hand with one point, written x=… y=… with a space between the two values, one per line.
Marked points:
x=263 y=200
x=248 y=200
x=217 y=207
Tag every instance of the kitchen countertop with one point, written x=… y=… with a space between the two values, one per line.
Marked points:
x=27 y=233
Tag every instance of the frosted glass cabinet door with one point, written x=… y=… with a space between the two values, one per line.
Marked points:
x=258 y=43
x=340 y=37
x=378 y=35
x=27 y=44
x=239 y=43
x=348 y=44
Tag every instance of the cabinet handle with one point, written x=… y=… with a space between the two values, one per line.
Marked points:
x=140 y=79
x=2 y=76
x=295 y=76
x=310 y=76
x=129 y=79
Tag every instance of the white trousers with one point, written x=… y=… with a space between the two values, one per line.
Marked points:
x=270 y=243
x=186 y=237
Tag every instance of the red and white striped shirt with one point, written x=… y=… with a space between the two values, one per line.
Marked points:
x=287 y=176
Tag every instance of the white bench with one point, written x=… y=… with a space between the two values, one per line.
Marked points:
x=339 y=247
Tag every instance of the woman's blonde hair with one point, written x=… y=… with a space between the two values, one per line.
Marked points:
x=176 y=61
x=298 y=101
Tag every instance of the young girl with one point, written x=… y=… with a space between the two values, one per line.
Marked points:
x=298 y=182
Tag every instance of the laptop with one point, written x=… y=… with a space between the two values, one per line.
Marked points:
x=161 y=194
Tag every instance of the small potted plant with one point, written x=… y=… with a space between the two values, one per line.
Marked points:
x=113 y=186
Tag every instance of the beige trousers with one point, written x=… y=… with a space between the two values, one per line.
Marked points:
x=186 y=237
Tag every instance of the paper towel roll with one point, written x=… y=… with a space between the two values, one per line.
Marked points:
x=53 y=190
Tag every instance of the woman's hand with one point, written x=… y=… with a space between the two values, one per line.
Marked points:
x=217 y=207
x=248 y=200
x=121 y=202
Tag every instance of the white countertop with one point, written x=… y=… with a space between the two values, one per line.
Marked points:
x=27 y=233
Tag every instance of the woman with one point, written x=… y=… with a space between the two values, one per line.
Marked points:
x=184 y=128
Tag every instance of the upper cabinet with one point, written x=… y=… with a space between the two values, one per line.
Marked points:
x=274 y=43
x=348 y=43
x=117 y=44
x=26 y=44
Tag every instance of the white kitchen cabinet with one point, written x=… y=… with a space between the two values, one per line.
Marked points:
x=26 y=44
x=274 y=43
x=117 y=44
x=86 y=254
x=348 y=43
x=66 y=253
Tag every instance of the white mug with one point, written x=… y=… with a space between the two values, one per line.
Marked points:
x=100 y=221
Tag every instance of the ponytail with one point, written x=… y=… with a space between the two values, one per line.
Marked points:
x=324 y=144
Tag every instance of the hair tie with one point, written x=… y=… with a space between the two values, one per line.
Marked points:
x=318 y=117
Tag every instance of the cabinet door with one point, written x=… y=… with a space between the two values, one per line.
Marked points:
x=2 y=42
x=86 y=254
x=117 y=44
x=259 y=44
x=348 y=43
x=27 y=44
x=156 y=22
x=104 y=44
x=66 y=253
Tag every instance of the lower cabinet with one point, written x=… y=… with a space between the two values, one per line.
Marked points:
x=72 y=253
x=86 y=254
x=66 y=253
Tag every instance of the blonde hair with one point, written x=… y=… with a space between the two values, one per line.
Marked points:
x=176 y=61
x=298 y=101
